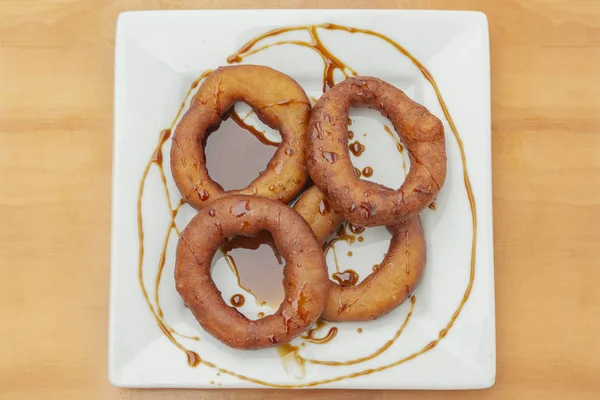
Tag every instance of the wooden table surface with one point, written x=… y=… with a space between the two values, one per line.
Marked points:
x=56 y=96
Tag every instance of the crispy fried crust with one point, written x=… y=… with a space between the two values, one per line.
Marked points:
x=316 y=209
x=331 y=169
x=305 y=279
x=384 y=289
x=276 y=99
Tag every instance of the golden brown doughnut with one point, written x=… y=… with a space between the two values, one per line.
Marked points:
x=331 y=169
x=305 y=279
x=316 y=209
x=385 y=288
x=276 y=99
x=389 y=285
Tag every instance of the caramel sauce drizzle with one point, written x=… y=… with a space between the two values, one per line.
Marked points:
x=301 y=361
x=340 y=235
x=331 y=64
x=156 y=159
x=357 y=230
x=251 y=243
x=258 y=134
x=163 y=253
x=399 y=145
x=310 y=334
x=233 y=266
x=348 y=277
x=377 y=352
x=284 y=350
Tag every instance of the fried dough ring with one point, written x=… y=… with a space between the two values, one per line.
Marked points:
x=385 y=288
x=331 y=169
x=277 y=100
x=305 y=278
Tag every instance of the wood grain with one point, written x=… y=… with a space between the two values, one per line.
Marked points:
x=56 y=85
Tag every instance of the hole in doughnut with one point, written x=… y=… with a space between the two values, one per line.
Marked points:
x=381 y=153
x=249 y=116
x=366 y=253
x=260 y=269
x=234 y=156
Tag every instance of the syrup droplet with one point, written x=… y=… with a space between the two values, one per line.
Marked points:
x=193 y=358
x=357 y=148
x=356 y=229
x=237 y=300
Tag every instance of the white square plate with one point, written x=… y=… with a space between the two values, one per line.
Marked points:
x=160 y=54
